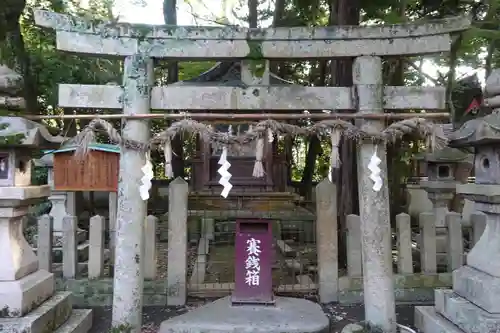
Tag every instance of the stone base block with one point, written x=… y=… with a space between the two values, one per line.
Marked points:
x=46 y=318
x=79 y=322
x=466 y=315
x=288 y=315
x=427 y=320
x=19 y=297
x=478 y=287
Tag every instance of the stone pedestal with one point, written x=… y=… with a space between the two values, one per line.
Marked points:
x=59 y=200
x=63 y=204
x=440 y=193
x=27 y=299
x=288 y=315
x=473 y=305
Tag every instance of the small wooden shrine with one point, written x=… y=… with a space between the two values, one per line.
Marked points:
x=205 y=176
x=97 y=172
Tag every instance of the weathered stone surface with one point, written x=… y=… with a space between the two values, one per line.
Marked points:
x=327 y=243
x=78 y=24
x=354 y=255
x=289 y=315
x=16 y=255
x=478 y=287
x=150 y=247
x=80 y=321
x=132 y=209
x=199 y=97
x=96 y=246
x=177 y=243
x=70 y=247
x=373 y=205
x=16 y=193
x=427 y=320
x=211 y=49
x=46 y=318
x=353 y=328
x=21 y=296
x=455 y=241
x=466 y=315
x=428 y=243
x=44 y=242
x=34 y=133
x=10 y=81
x=405 y=256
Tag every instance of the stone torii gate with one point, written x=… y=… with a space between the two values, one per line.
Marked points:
x=139 y=44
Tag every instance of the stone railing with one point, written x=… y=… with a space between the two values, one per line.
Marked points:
x=90 y=277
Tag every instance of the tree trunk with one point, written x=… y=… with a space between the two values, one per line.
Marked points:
x=345 y=12
x=314 y=143
x=253 y=14
x=12 y=51
x=394 y=75
x=170 y=18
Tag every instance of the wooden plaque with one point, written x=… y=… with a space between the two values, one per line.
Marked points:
x=97 y=172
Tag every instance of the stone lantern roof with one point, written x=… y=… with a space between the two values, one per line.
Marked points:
x=18 y=131
x=485 y=130
x=478 y=132
x=21 y=132
x=446 y=154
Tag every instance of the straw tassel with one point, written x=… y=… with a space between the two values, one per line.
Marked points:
x=169 y=173
x=258 y=168
x=335 y=156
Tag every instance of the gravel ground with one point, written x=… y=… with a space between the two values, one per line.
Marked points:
x=340 y=315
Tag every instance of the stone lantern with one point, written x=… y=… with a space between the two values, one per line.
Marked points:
x=28 y=301
x=473 y=305
x=22 y=285
x=443 y=167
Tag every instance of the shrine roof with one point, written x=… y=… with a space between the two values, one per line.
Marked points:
x=226 y=73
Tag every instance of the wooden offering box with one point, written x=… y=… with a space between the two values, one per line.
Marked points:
x=98 y=171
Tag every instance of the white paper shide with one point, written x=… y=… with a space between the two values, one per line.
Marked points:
x=373 y=166
x=252 y=263
x=146 y=184
x=223 y=171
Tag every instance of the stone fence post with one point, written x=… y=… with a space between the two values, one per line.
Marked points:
x=327 y=241
x=177 y=242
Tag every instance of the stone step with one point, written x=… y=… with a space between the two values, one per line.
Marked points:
x=427 y=320
x=478 y=287
x=79 y=322
x=466 y=315
x=46 y=318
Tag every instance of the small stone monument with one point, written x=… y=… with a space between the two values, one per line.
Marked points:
x=473 y=305
x=61 y=207
x=252 y=307
x=441 y=183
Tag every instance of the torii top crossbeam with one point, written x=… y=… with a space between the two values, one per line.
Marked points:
x=82 y=36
